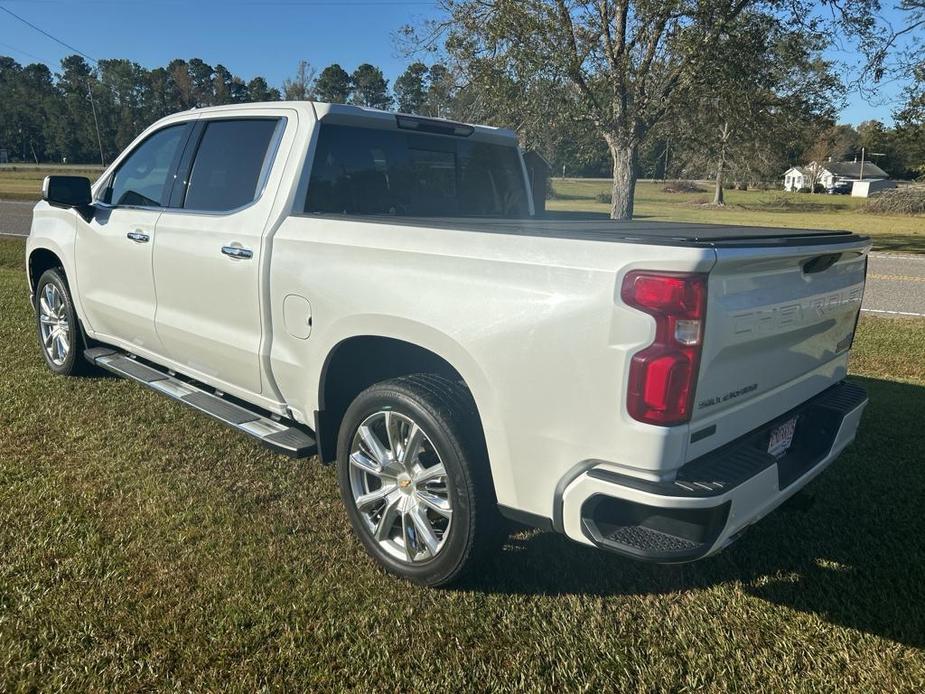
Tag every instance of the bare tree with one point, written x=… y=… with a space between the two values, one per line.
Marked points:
x=302 y=86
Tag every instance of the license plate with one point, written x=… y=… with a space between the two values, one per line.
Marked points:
x=782 y=437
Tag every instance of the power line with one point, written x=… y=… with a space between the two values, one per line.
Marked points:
x=26 y=53
x=45 y=33
x=96 y=123
x=290 y=3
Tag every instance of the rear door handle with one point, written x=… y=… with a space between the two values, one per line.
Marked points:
x=238 y=252
x=138 y=237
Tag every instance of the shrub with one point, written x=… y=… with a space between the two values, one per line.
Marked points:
x=604 y=196
x=908 y=200
x=683 y=187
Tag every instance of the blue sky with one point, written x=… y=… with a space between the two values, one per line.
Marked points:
x=250 y=37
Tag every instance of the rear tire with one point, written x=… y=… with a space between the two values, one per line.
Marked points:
x=60 y=335
x=413 y=474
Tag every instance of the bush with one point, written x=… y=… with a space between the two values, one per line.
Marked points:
x=683 y=187
x=909 y=200
x=604 y=196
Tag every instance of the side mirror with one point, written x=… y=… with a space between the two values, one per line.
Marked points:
x=68 y=191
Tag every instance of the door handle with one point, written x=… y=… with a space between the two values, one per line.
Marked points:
x=138 y=237
x=238 y=252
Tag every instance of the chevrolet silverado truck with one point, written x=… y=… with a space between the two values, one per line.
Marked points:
x=377 y=289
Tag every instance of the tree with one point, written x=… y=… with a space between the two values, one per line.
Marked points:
x=180 y=87
x=370 y=88
x=222 y=85
x=411 y=88
x=442 y=98
x=302 y=86
x=75 y=134
x=910 y=125
x=259 y=90
x=881 y=148
x=201 y=82
x=120 y=103
x=764 y=83
x=333 y=85
x=622 y=64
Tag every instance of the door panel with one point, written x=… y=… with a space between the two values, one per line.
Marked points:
x=207 y=261
x=115 y=277
x=208 y=309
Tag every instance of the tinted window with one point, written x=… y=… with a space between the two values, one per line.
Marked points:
x=226 y=172
x=390 y=172
x=142 y=179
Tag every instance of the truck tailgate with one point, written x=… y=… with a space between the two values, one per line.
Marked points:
x=775 y=314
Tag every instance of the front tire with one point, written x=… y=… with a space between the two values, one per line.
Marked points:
x=59 y=332
x=413 y=475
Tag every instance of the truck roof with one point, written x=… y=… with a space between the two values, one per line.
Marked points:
x=363 y=116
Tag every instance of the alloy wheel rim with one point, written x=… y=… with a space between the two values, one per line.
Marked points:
x=55 y=327
x=400 y=487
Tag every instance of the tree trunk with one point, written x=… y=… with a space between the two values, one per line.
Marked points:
x=718 y=193
x=721 y=165
x=625 y=157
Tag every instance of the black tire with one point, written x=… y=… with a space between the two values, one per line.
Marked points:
x=73 y=364
x=445 y=412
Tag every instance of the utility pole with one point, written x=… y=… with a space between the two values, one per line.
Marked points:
x=96 y=123
x=873 y=154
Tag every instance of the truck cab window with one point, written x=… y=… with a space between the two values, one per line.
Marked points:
x=142 y=179
x=226 y=174
x=369 y=171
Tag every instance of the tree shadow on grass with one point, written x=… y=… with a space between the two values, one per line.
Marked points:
x=855 y=558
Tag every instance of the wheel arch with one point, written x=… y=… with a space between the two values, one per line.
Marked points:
x=41 y=259
x=348 y=369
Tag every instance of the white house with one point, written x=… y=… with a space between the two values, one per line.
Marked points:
x=832 y=175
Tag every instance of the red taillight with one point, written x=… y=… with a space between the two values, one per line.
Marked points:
x=663 y=376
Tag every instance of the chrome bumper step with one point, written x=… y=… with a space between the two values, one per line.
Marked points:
x=282 y=436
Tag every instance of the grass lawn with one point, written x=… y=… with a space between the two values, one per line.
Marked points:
x=24 y=182
x=773 y=208
x=143 y=545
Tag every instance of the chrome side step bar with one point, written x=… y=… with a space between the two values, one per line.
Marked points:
x=288 y=438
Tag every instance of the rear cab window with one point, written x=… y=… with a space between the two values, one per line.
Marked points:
x=373 y=171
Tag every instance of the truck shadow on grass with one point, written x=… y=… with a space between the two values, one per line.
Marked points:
x=855 y=557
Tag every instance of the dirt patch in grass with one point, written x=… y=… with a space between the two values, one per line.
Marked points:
x=683 y=187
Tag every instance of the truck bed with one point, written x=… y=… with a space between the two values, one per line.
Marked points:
x=599 y=227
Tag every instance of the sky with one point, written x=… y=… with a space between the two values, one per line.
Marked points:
x=255 y=37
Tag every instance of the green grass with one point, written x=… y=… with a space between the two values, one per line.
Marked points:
x=774 y=208
x=143 y=546
x=24 y=182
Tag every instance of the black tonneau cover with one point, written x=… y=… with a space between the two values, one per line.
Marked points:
x=598 y=227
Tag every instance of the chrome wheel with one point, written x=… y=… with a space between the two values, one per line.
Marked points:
x=54 y=324
x=400 y=487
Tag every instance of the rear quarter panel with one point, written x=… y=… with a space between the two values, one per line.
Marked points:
x=533 y=325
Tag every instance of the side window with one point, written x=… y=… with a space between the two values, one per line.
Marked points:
x=228 y=164
x=143 y=178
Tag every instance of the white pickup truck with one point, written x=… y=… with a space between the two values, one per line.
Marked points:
x=376 y=288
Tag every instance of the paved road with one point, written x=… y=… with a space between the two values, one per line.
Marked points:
x=895 y=286
x=15 y=217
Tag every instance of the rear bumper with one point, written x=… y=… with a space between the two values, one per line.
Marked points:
x=714 y=498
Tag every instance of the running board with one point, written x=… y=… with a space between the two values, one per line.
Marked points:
x=289 y=439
